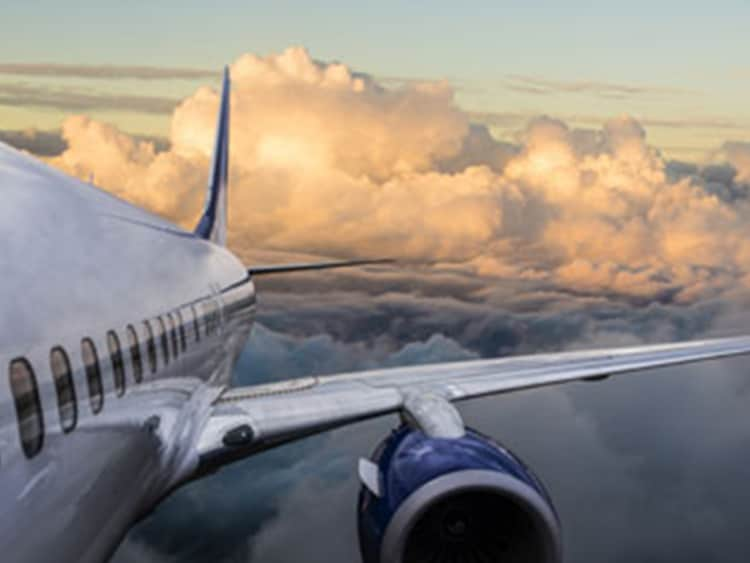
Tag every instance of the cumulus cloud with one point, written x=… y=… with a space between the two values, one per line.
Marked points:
x=328 y=160
x=132 y=168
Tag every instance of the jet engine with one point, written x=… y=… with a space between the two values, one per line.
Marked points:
x=462 y=499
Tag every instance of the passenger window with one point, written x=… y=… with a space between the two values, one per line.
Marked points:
x=206 y=319
x=93 y=374
x=150 y=346
x=67 y=405
x=209 y=317
x=181 y=328
x=162 y=334
x=28 y=406
x=135 y=353
x=115 y=358
x=196 y=324
x=173 y=335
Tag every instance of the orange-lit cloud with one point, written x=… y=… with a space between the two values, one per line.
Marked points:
x=327 y=160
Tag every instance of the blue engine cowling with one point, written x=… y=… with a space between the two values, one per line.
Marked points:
x=461 y=500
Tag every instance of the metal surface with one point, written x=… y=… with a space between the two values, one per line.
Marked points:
x=77 y=263
x=420 y=472
x=547 y=529
x=279 y=412
x=213 y=223
x=433 y=415
x=369 y=475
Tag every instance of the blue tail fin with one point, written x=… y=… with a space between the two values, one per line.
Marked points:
x=213 y=222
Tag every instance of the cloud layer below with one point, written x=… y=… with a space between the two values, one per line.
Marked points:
x=648 y=467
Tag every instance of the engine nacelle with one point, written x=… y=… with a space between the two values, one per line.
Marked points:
x=457 y=500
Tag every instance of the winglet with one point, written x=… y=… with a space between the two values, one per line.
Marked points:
x=213 y=223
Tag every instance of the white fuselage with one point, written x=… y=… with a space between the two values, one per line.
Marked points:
x=78 y=263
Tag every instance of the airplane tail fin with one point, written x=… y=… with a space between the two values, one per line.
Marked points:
x=213 y=223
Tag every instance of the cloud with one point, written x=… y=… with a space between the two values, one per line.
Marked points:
x=106 y=72
x=545 y=86
x=711 y=123
x=51 y=143
x=639 y=453
x=132 y=168
x=567 y=238
x=636 y=482
x=231 y=531
x=40 y=143
x=329 y=161
x=72 y=100
x=737 y=154
x=516 y=120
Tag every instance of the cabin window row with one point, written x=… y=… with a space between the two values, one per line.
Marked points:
x=169 y=333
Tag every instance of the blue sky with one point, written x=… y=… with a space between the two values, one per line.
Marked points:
x=692 y=54
x=633 y=40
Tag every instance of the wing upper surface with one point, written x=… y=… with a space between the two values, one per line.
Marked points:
x=280 y=412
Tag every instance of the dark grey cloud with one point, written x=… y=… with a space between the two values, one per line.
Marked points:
x=646 y=468
x=665 y=487
x=231 y=525
x=51 y=143
x=643 y=468
x=106 y=72
x=73 y=100
x=479 y=148
x=492 y=317
x=720 y=179
x=40 y=143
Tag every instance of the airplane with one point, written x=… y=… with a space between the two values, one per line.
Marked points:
x=120 y=332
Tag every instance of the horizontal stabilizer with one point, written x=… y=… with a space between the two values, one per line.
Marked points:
x=289 y=268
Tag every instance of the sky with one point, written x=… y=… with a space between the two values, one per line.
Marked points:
x=678 y=68
x=549 y=176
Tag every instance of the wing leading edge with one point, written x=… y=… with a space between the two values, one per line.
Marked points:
x=250 y=419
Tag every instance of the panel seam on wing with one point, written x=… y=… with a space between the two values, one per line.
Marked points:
x=282 y=388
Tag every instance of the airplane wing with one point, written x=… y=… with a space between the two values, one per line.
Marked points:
x=248 y=419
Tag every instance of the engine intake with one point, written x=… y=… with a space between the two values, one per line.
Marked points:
x=463 y=500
